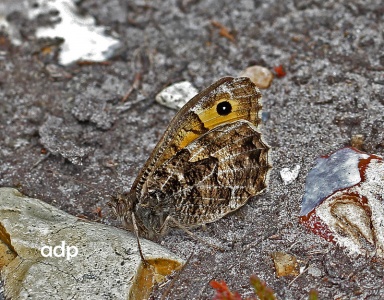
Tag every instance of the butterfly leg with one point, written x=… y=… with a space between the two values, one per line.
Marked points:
x=170 y=220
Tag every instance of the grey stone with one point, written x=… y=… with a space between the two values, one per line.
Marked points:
x=105 y=267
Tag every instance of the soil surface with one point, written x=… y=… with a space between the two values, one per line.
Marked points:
x=66 y=136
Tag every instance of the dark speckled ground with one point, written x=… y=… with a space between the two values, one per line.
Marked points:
x=334 y=87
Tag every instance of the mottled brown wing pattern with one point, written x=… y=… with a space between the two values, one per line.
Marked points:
x=199 y=116
x=209 y=162
x=211 y=177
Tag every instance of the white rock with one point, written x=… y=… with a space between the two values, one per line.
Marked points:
x=83 y=39
x=176 y=95
x=11 y=30
x=288 y=176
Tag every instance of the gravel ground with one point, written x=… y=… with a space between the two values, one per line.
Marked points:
x=333 y=54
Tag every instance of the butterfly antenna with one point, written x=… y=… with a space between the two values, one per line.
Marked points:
x=136 y=229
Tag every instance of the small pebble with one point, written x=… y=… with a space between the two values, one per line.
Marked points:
x=260 y=76
x=315 y=272
x=288 y=176
x=357 y=141
x=285 y=264
x=176 y=95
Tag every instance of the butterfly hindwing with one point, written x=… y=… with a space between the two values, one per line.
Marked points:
x=212 y=176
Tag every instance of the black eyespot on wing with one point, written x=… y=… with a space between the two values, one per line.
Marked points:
x=224 y=108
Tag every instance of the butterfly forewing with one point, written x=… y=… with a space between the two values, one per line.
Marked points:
x=199 y=116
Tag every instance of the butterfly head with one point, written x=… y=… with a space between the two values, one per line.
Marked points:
x=122 y=207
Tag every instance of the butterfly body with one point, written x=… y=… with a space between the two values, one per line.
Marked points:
x=210 y=161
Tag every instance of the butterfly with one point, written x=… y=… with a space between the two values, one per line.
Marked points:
x=210 y=161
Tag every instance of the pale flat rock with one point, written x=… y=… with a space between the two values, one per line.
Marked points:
x=107 y=264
